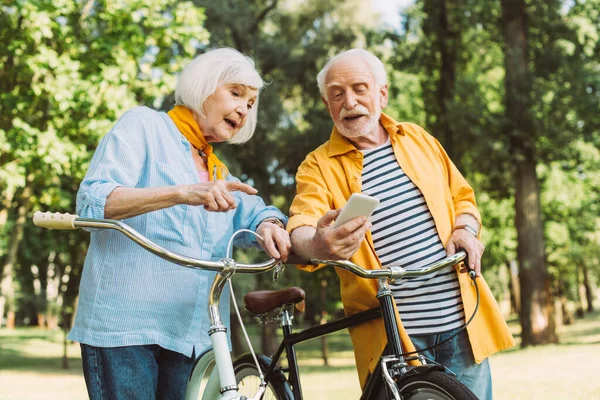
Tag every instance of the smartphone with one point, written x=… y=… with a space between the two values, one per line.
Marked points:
x=358 y=205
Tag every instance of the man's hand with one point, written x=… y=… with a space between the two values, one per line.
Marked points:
x=338 y=243
x=214 y=195
x=463 y=239
x=276 y=241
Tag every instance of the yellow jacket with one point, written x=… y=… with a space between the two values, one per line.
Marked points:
x=327 y=178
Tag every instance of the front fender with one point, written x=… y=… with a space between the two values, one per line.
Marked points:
x=202 y=363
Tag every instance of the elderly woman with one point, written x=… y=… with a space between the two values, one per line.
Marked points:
x=141 y=320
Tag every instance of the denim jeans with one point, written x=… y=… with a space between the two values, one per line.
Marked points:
x=135 y=372
x=456 y=355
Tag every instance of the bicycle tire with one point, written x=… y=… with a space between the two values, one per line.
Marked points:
x=434 y=385
x=248 y=379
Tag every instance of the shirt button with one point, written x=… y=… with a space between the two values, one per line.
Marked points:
x=358 y=155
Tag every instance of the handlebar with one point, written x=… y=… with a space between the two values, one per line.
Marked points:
x=394 y=272
x=71 y=221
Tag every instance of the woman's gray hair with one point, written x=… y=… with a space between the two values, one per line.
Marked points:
x=375 y=64
x=205 y=73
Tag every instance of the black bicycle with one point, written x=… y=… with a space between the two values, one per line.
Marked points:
x=393 y=378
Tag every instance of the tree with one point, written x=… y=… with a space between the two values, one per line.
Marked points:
x=537 y=316
x=69 y=70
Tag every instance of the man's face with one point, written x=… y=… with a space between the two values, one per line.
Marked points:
x=353 y=98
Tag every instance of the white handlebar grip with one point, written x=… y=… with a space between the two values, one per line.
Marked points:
x=54 y=221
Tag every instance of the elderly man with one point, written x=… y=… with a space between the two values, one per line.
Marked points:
x=427 y=210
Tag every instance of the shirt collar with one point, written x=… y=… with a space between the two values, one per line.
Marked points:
x=338 y=144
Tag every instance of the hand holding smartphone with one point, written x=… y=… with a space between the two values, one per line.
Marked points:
x=358 y=205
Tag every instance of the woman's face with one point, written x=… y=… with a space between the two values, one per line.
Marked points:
x=226 y=112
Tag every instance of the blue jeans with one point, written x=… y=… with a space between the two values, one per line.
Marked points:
x=456 y=355
x=135 y=372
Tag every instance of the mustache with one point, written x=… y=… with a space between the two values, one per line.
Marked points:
x=357 y=110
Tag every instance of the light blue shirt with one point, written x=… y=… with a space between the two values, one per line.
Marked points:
x=127 y=295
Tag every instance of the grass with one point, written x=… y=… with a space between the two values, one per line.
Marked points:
x=30 y=367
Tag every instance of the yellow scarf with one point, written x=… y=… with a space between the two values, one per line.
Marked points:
x=187 y=125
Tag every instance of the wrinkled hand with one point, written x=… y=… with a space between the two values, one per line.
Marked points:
x=215 y=195
x=276 y=241
x=338 y=243
x=462 y=239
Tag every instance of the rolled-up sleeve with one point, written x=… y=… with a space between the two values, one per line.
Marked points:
x=118 y=161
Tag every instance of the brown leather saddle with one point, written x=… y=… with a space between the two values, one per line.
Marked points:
x=264 y=301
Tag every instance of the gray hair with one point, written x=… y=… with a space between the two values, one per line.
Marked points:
x=205 y=73
x=374 y=63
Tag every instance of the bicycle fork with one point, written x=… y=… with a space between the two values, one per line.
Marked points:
x=218 y=334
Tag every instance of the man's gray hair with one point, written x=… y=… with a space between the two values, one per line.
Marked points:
x=375 y=64
x=205 y=73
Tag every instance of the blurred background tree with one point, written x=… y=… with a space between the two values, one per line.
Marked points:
x=510 y=88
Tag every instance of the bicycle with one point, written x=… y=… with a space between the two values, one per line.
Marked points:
x=393 y=377
x=222 y=384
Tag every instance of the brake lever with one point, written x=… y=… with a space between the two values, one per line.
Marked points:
x=471 y=271
x=278 y=270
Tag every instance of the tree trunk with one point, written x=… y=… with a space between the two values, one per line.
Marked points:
x=589 y=295
x=70 y=290
x=238 y=343
x=566 y=316
x=268 y=339
x=446 y=41
x=537 y=316
x=579 y=313
x=7 y=291
x=269 y=342
x=324 y=346
x=514 y=287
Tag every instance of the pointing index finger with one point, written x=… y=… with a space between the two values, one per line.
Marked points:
x=242 y=187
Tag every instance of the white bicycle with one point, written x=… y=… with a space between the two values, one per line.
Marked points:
x=222 y=382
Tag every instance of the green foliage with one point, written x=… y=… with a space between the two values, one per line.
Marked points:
x=571 y=203
x=69 y=70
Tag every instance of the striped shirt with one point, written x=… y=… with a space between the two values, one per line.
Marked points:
x=404 y=234
x=129 y=296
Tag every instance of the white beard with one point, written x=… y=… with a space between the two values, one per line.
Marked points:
x=364 y=129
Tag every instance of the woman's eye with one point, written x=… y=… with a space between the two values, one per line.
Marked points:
x=235 y=93
x=250 y=105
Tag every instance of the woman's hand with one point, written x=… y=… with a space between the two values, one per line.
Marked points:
x=214 y=195
x=276 y=241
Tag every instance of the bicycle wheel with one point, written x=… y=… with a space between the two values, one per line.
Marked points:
x=248 y=379
x=434 y=385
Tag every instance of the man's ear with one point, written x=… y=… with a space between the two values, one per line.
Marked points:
x=383 y=96
x=326 y=103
